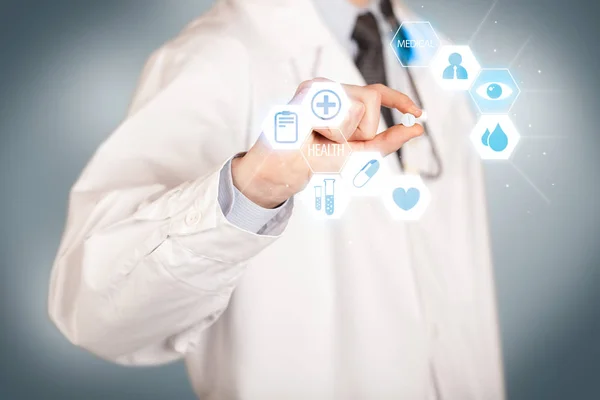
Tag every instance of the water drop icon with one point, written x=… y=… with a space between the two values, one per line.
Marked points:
x=486 y=137
x=497 y=140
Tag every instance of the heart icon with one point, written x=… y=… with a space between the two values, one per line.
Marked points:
x=406 y=199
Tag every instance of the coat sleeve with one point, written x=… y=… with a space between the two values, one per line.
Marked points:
x=147 y=256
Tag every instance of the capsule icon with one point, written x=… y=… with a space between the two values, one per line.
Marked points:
x=365 y=174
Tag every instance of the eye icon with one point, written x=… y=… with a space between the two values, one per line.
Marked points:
x=494 y=91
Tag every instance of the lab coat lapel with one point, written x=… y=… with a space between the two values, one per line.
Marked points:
x=296 y=35
x=314 y=52
x=295 y=31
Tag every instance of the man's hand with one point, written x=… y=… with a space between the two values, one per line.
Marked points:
x=269 y=177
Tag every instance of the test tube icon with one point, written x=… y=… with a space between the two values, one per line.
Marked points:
x=329 y=196
x=318 y=197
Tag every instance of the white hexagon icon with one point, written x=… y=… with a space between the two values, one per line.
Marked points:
x=415 y=43
x=495 y=137
x=495 y=91
x=325 y=197
x=365 y=173
x=326 y=105
x=406 y=197
x=455 y=67
x=286 y=127
x=324 y=155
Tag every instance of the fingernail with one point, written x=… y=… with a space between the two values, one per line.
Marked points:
x=415 y=110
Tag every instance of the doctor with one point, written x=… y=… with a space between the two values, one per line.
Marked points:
x=174 y=249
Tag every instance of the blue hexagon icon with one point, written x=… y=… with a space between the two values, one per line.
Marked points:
x=495 y=91
x=415 y=44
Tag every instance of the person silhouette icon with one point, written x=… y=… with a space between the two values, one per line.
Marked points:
x=455 y=70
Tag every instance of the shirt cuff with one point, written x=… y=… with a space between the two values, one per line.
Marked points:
x=238 y=209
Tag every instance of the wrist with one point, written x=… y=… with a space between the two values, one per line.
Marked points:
x=259 y=182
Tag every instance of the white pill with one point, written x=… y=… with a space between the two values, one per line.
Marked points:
x=408 y=120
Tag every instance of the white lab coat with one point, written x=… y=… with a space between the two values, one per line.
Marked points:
x=150 y=271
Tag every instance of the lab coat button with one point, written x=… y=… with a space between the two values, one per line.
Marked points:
x=192 y=218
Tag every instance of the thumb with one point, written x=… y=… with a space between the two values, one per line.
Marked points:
x=390 y=140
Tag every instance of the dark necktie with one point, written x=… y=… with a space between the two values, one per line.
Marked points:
x=369 y=59
x=370 y=62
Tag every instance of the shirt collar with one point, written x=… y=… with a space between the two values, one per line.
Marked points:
x=340 y=18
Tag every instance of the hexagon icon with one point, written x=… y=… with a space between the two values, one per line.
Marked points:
x=286 y=127
x=326 y=104
x=365 y=173
x=324 y=155
x=495 y=137
x=455 y=67
x=415 y=43
x=495 y=91
x=325 y=196
x=406 y=197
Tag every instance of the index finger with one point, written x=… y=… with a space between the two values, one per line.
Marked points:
x=394 y=99
x=392 y=139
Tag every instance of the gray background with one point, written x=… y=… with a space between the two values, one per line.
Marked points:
x=67 y=72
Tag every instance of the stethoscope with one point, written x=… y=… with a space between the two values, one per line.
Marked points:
x=392 y=21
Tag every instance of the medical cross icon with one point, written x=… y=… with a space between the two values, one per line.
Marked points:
x=326 y=104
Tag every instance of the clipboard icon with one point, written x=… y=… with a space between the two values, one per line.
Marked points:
x=286 y=127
